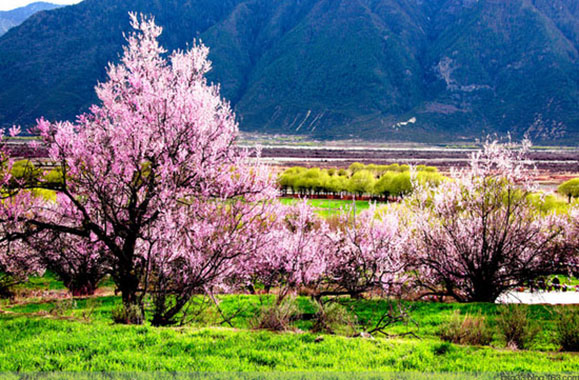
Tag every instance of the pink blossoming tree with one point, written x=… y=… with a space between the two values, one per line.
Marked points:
x=217 y=241
x=479 y=235
x=15 y=264
x=144 y=168
x=366 y=252
x=359 y=253
x=572 y=239
x=296 y=253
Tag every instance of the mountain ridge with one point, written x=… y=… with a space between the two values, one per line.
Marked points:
x=374 y=69
x=14 y=17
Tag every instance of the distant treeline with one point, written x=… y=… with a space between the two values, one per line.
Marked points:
x=25 y=173
x=382 y=181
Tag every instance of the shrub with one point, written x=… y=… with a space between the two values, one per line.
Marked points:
x=516 y=327
x=62 y=308
x=6 y=284
x=277 y=317
x=333 y=318
x=128 y=315
x=90 y=309
x=469 y=330
x=441 y=348
x=568 y=328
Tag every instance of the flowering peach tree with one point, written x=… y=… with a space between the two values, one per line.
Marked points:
x=15 y=264
x=366 y=252
x=142 y=174
x=295 y=254
x=479 y=235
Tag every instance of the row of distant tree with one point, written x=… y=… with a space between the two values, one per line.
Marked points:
x=375 y=180
x=382 y=181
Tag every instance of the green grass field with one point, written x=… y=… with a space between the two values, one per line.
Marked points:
x=329 y=207
x=46 y=333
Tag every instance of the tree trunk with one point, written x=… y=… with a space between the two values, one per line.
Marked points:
x=82 y=290
x=484 y=292
x=165 y=314
x=133 y=307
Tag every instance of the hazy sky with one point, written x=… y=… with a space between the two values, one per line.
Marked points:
x=6 y=5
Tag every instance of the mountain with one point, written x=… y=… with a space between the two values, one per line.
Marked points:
x=15 y=17
x=423 y=70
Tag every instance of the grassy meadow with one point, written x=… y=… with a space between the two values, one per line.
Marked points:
x=45 y=330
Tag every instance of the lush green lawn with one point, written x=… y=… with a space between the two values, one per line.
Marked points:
x=328 y=207
x=41 y=344
x=78 y=335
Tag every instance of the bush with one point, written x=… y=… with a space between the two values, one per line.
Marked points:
x=62 y=308
x=468 y=330
x=277 y=317
x=6 y=284
x=568 y=328
x=516 y=327
x=133 y=315
x=333 y=318
x=442 y=349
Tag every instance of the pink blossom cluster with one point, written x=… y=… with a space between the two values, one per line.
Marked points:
x=352 y=255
